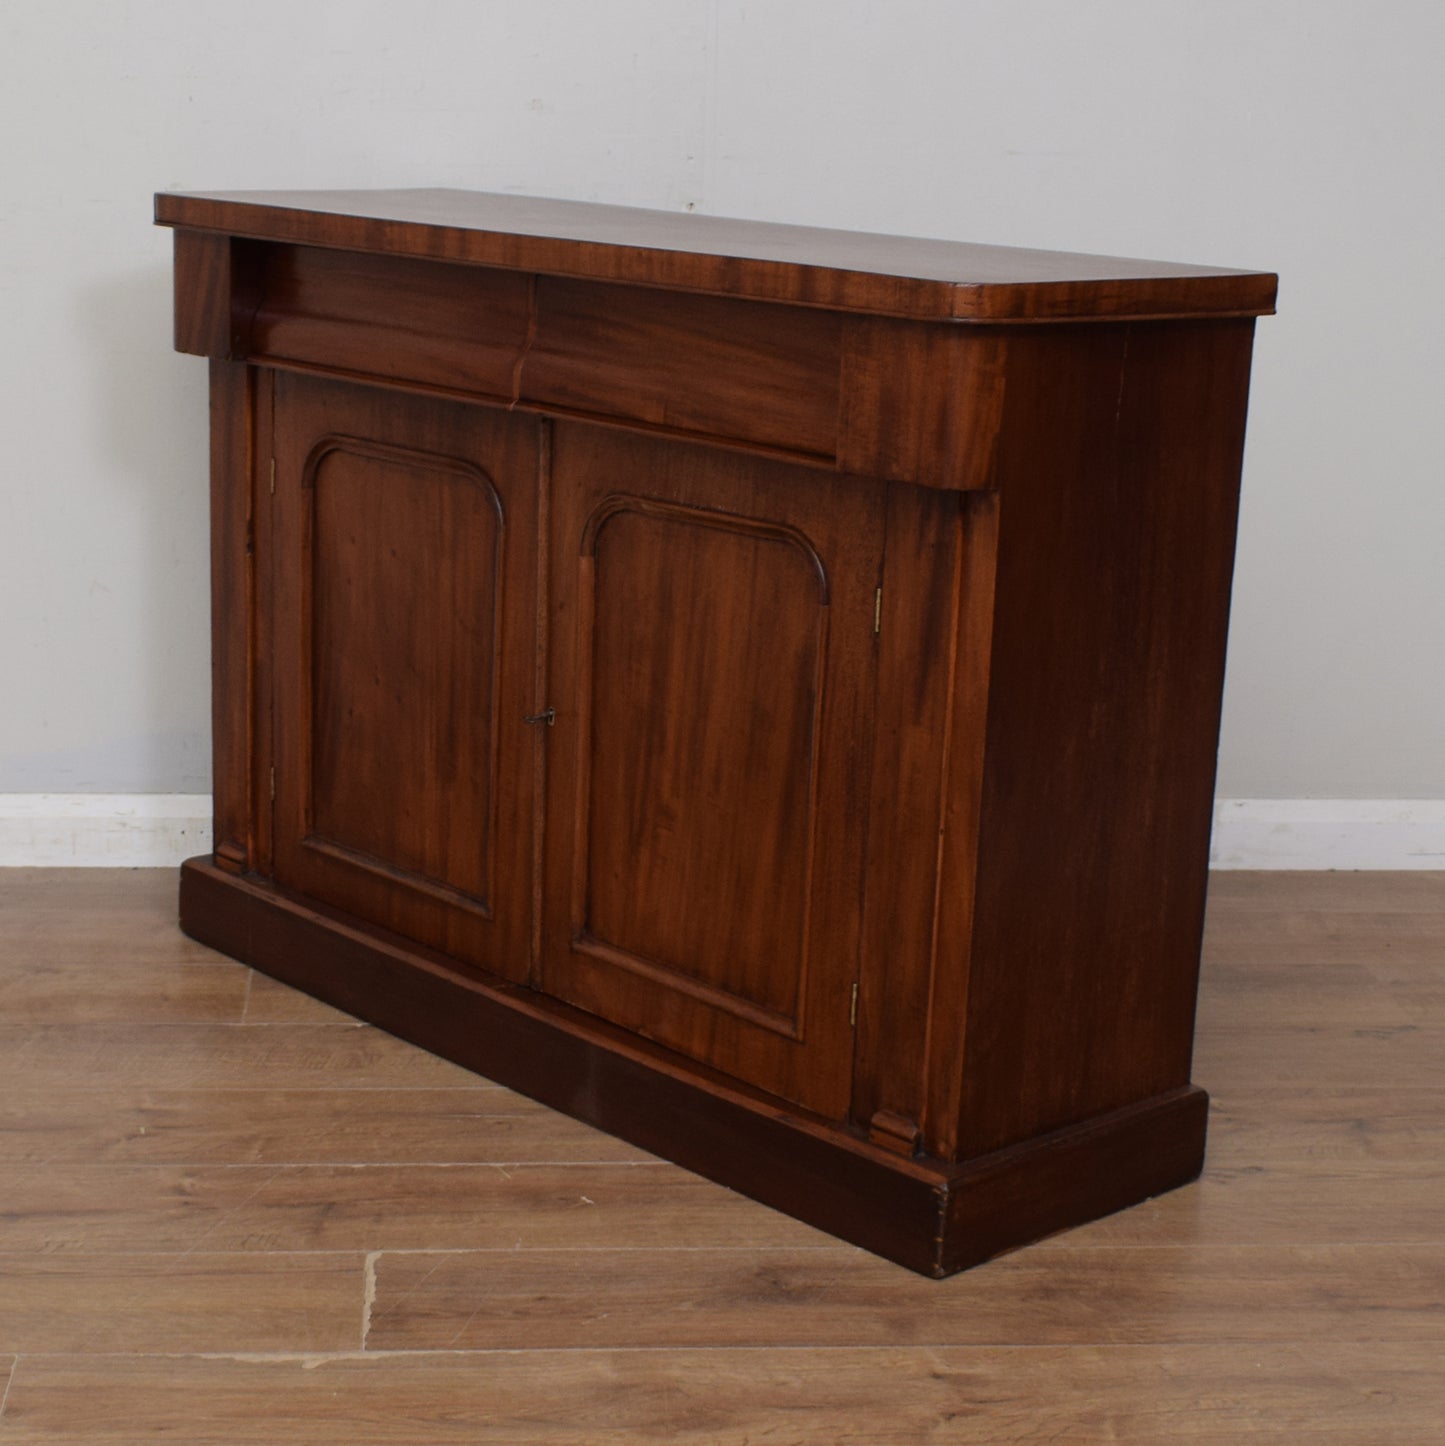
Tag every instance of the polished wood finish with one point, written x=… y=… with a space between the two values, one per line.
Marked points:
x=1115 y=553
x=233 y=1215
x=862 y=395
x=921 y=404
x=836 y=270
x=753 y=373
x=704 y=872
x=931 y=1217
x=454 y=328
x=204 y=269
x=233 y=643
x=757 y=693
x=402 y=779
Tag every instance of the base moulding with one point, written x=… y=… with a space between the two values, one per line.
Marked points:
x=932 y=1217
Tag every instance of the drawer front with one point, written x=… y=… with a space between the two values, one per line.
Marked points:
x=874 y=397
x=741 y=371
x=457 y=328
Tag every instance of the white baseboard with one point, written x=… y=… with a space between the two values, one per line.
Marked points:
x=103 y=830
x=1328 y=833
x=158 y=830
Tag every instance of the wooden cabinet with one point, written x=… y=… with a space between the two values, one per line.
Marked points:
x=754 y=689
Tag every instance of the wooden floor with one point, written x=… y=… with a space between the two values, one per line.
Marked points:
x=230 y=1214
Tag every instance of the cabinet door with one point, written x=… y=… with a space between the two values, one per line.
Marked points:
x=404 y=587
x=712 y=627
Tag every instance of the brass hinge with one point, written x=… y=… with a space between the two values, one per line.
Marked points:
x=853 y=1009
x=878 y=611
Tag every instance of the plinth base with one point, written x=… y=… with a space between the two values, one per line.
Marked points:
x=931 y=1217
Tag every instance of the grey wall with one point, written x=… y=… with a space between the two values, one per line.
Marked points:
x=1301 y=137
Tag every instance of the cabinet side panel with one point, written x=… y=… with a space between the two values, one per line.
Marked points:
x=232 y=611
x=1118 y=470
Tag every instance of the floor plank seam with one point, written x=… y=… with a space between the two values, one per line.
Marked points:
x=407 y=1294
x=82 y=1164
x=368 y=1293
x=281 y=1023
x=481 y=1087
x=225 y=1089
x=117 y=1165
x=1308 y=1346
x=9 y=1381
x=191 y=1253
x=1056 y=1253
x=246 y=998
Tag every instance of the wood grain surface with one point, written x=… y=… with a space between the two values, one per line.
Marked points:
x=399 y=533
x=848 y=271
x=548 y=741
x=225 y=1218
x=714 y=699
x=1097 y=939
x=1379 y=1394
x=233 y=611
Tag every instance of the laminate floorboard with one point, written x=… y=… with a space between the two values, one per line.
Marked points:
x=73 y=1208
x=231 y=1214
x=1315 y=994
x=1218 y=1395
x=1287 y=894
x=271 y=1002
x=1264 y=1056
x=1051 y=1294
x=256 y=1301
x=139 y=1126
x=204 y=1056
x=1312 y=1130
x=155 y=990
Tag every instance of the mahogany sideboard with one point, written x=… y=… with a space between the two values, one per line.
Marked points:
x=755 y=689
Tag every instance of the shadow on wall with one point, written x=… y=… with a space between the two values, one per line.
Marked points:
x=148 y=407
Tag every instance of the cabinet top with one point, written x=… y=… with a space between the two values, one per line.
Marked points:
x=841 y=270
